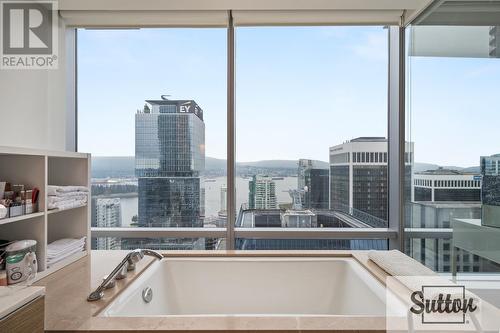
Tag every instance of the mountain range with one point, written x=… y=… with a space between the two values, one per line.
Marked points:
x=124 y=166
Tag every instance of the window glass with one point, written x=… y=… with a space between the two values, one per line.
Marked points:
x=453 y=74
x=152 y=112
x=301 y=95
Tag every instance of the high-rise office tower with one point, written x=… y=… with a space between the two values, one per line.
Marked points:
x=316 y=188
x=439 y=197
x=446 y=185
x=358 y=176
x=490 y=194
x=106 y=213
x=170 y=161
x=262 y=193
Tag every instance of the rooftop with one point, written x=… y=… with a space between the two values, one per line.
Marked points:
x=443 y=171
x=450 y=204
x=494 y=155
x=369 y=139
x=169 y=101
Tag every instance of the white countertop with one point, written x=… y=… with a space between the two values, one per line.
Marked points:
x=12 y=298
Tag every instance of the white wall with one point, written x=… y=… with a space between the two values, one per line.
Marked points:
x=37 y=106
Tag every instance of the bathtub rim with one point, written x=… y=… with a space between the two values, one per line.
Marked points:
x=252 y=257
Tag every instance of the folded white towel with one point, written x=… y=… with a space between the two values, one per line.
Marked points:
x=64 y=243
x=59 y=198
x=68 y=194
x=67 y=204
x=64 y=248
x=52 y=261
x=65 y=254
x=54 y=189
x=56 y=253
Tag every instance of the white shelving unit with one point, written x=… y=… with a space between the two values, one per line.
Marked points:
x=39 y=168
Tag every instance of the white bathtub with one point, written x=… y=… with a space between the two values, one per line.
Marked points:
x=252 y=286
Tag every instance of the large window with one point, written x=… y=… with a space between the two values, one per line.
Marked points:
x=311 y=144
x=452 y=120
x=152 y=112
x=311 y=126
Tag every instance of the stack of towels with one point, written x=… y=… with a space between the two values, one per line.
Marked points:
x=64 y=248
x=66 y=197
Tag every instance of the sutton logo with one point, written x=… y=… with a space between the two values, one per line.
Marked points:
x=29 y=34
x=448 y=307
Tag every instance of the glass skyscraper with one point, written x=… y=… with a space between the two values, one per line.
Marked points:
x=169 y=163
x=490 y=191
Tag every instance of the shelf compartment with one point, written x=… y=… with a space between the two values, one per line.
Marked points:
x=21 y=218
x=39 y=168
x=33 y=228
x=27 y=170
x=68 y=171
x=67 y=224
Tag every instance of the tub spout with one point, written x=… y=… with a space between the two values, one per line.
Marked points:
x=129 y=261
x=152 y=253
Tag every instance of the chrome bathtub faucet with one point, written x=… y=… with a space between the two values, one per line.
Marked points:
x=120 y=271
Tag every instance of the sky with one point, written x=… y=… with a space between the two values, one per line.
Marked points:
x=299 y=90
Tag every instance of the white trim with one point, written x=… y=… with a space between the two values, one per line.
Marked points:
x=427 y=233
x=156 y=13
x=141 y=18
x=317 y=17
x=224 y=5
x=159 y=232
x=39 y=152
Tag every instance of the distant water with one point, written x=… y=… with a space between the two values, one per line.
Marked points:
x=212 y=196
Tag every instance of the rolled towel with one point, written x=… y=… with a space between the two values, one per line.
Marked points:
x=397 y=263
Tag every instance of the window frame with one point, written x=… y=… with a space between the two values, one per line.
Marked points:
x=394 y=157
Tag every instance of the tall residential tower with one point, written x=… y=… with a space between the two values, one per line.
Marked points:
x=106 y=214
x=262 y=193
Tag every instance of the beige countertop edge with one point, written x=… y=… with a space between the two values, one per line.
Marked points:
x=67 y=308
x=14 y=297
